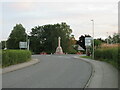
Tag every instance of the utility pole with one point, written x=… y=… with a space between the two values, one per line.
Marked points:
x=28 y=41
x=28 y=44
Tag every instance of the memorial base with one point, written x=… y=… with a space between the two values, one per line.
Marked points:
x=59 y=50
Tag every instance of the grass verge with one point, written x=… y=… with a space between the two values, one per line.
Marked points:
x=89 y=57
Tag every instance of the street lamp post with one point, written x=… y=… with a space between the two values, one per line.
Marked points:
x=93 y=37
x=28 y=41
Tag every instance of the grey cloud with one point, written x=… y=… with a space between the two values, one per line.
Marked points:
x=78 y=15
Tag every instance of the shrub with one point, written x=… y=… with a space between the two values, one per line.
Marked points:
x=72 y=51
x=108 y=54
x=11 y=57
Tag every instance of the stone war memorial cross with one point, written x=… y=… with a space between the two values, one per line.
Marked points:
x=59 y=48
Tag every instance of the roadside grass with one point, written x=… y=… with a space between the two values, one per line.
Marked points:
x=113 y=63
x=89 y=57
x=107 y=54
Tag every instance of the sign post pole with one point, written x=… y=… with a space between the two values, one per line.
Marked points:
x=88 y=41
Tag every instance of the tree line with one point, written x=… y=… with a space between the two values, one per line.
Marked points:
x=43 y=38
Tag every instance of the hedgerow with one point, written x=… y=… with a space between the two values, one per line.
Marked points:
x=11 y=57
x=108 y=54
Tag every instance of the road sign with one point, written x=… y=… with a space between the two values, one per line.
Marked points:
x=23 y=44
x=88 y=41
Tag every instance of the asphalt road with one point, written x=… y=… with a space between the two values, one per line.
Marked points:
x=53 y=71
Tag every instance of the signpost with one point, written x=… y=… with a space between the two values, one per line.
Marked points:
x=88 y=42
x=22 y=45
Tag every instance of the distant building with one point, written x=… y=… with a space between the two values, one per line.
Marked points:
x=80 y=48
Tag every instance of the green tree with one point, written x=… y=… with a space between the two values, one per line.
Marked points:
x=3 y=44
x=97 y=43
x=113 y=39
x=72 y=45
x=116 y=38
x=45 y=38
x=18 y=34
x=37 y=39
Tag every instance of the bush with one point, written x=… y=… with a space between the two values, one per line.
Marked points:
x=72 y=51
x=108 y=54
x=11 y=57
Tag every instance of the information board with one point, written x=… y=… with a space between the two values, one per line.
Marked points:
x=23 y=44
x=88 y=41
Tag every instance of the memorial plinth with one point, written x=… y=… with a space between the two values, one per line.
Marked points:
x=59 y=48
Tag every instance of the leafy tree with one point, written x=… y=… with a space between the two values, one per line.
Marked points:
x=72 y=43
x=113 y=39
x=45 y=38
x=100 y=39
x=97 y=43
x=116 y=38
x=18 y=34
x=3 y=44
x=37 y=39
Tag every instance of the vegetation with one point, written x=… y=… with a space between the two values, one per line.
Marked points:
x=110 y=52
x=81 y=41
x=2 y=44
x=97 y=43
x=11 y=57
x=107 y=50
x=45 y=38
x=18 y=34
x=89 y=57
x=113 y=39
x=0 y=58
x=42 y=38
x=109 y=55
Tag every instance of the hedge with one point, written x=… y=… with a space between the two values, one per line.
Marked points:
x=107 y=54
x=11 y=57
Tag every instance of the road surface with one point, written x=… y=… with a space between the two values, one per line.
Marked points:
x=53 y=71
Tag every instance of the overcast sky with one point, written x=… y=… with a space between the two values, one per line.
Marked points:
x=76 y=13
